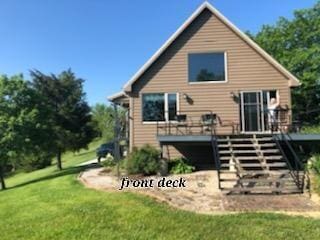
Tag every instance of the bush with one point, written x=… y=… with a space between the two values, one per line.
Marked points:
x=311 y=129
x=180 y=166
x=109 y=162
x=36 y=161
x=315 y=164
x=145 y=160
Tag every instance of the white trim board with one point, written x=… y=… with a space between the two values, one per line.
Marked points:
x=117 y=95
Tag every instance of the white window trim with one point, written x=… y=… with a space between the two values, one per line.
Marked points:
x=210 y=82
x=165 y=108
x=166 y=113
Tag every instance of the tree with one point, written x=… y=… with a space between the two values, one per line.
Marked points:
x=296 y=45
x=68 y=111
x=103 y=116
x=18 y=119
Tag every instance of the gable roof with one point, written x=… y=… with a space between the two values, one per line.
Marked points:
x=293 y=81
x=117 y=95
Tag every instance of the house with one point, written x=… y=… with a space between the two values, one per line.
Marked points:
x=204 y=95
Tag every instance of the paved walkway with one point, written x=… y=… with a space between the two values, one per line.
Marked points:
x=202 y=195
x=93 y=161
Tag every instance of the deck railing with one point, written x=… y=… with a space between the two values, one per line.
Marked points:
x=192 y=122
x=195 y=122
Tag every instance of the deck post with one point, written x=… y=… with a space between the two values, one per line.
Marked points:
x=116 y=139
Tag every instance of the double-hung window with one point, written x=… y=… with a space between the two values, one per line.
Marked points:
x=207 y=67
x=159 y=107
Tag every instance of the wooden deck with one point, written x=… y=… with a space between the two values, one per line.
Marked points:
x=293 y=137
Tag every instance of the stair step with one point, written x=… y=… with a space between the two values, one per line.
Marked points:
x=246 y=145
x=287 y=180
x=264 y=139
x=253 y=172
x=267 y=144
x=275 y=157
x=256 y=165
x=248 y=151
x=235 y=139
x=236 y=151
x=262 y=180
x=263 y=189
x=228 y=179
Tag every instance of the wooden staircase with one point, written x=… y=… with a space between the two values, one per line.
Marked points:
x=254 y=164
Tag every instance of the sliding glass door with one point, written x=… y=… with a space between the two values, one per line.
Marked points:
x=254 y=110
x=251 y=108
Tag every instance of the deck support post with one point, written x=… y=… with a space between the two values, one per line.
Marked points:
x=116 y=138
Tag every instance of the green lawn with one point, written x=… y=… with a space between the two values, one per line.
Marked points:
x=47 y=204
x=311 y=129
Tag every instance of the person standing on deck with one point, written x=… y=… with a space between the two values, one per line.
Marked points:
x=272 y=111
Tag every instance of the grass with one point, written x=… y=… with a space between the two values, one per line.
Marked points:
x=47 y=204
x=68 y=160
x=311 y=129
x=315 y=166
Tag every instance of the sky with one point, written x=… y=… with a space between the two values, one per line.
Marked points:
x=105 y=42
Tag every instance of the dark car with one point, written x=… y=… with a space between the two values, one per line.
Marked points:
x=104 y=150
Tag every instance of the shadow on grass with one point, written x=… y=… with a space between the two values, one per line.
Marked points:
x=57 y=173
x=77 y=154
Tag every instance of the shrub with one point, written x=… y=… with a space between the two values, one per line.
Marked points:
x=109 y=162
x=316 y=163
x=143 y=161
x=36 y=161
x=180 y=166
x=311 y=129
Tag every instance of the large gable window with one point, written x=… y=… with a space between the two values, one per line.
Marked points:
x=159 y=107
x=207 y=67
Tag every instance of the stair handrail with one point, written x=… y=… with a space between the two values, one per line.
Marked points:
x=298 y=164
x=294 y=175
x=214 y=143
x=305 y=170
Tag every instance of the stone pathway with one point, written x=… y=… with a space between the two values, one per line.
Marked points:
x=202 y=195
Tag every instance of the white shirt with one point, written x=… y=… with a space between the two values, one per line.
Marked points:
x=272 y=112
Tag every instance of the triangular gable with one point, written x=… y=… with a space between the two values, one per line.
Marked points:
x=293 y=81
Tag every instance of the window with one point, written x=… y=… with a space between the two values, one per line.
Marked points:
x=205 y=67
x=172 y=106
x=153 y=107
x=159 y=107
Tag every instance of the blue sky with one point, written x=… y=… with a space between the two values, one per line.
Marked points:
x=105 y=42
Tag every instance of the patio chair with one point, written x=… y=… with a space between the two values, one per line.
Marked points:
x=208 y=122
x=181 y=123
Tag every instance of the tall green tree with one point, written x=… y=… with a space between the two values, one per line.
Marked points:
x=103 y=116
x=69 y=113
x=295 y=44
x=19 y=119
